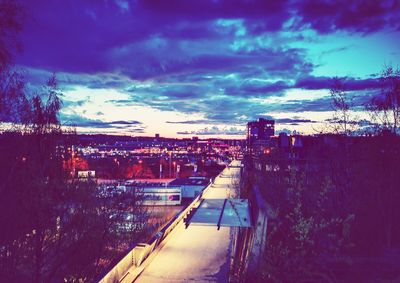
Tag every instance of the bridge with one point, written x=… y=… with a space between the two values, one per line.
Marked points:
x=200 y=245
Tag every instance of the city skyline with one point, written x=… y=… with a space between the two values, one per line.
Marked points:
x=205 y=68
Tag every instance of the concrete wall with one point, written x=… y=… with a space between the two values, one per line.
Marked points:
x=260 y=215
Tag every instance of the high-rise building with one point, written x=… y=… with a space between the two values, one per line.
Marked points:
x=260 y=130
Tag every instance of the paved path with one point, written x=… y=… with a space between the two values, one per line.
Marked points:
x=198 y=253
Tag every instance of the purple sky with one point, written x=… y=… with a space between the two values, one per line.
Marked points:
x=182 y=68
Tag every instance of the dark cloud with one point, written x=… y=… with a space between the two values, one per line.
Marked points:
x=356 y=16
x=80 y=121
x=276 y=87
x=227 y=101
x=124 y=123
x=335 y=50
x=319 y=105
x=257 y=88
x=350 y=84
x=271 y=62
x=191 y=122
x=68 y=103
x=293 y=121
x=120 y=102
x=147 y=38
x=216 y=108
x=227 y=9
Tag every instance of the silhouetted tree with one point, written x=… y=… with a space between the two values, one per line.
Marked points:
x=14 y=106
x=13 y=102
x=308 y=227
x=343 y=122
x=58 y=228
x=384 y=108
x=11 y=23
x=54 y=228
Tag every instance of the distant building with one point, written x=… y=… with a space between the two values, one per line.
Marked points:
x=161 y=196
x=155 y=193
x=283 y=140
x=260 y=130
x=190 y=187
x=168 y=193
x=86 y=174
x=297 y=141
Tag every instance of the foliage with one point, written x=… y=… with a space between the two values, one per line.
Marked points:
x=306 y=229
x=14 y=106
x=11 y=23
x=335 y=204
x=343 y=121
x=384 y=108
x=13 y=102
x=58 y=228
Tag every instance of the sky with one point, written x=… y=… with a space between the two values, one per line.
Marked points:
x=185 y=68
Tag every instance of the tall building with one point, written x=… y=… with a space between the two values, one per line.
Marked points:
x=260 y=130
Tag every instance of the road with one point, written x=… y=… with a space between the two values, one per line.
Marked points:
x=198 y=253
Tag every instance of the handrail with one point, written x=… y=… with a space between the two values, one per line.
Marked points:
x=220 y=215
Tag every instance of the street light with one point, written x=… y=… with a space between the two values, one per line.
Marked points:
x=170 y=165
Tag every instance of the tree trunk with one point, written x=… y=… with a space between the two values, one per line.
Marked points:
x=38 y=256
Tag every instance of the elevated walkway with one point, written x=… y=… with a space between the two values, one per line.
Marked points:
x=201 y=251
x=198 y=245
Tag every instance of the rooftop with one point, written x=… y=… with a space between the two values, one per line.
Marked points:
x=190 y=182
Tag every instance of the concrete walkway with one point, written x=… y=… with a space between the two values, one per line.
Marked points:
x=198 y=253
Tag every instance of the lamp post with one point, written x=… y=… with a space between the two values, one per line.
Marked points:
x=170 y=164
